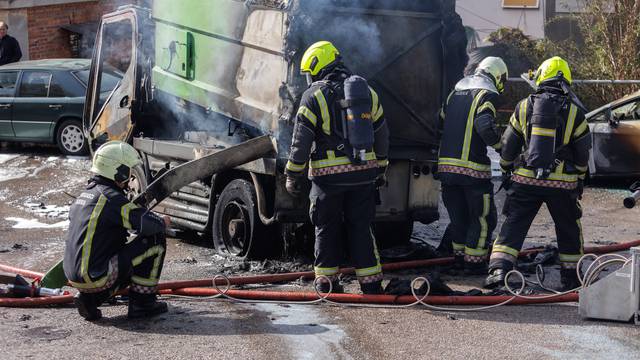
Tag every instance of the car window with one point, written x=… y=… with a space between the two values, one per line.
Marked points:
x=599 y=117
x=626 y=112
x=57 y=90
x=109 y=79
x=35 y=84
x=65 y=85
x=8 y=83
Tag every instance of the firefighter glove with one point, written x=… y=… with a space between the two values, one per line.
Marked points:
x=506 y=181
x=381 y=178
x=580 y=188
x=294 y=185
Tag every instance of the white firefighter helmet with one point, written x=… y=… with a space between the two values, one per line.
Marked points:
x=114 y=160
x=496 y=68
x=491 y=74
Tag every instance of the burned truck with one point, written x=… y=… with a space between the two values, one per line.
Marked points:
x=197 y=76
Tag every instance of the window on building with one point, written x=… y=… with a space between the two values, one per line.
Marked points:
x=8 y=83
x=520 y=4
x=35 y=84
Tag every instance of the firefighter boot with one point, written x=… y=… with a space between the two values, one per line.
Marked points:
x=87 y=305
x=458 y=265
x=496 y=278
x=372 y=288
x=145 y=305
x=336 y=288
x=569 y=279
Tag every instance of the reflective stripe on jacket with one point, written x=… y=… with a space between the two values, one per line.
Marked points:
x=468 y=127
x=99 y=221
x=573 y=140
x=318 y=118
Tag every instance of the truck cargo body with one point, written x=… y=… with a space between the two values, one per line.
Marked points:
x=201 y=76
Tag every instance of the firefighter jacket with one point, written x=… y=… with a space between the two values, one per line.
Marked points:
x=467 y=128
x=572 y=144
x=99 y=221
x=316 y=137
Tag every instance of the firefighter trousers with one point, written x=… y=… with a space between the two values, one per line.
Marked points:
x=345 y=213
x=473 y=216
x=138 y=265
x=521 y=207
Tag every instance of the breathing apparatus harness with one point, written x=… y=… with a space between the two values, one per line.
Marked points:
x=544 y=152
x=356 y=136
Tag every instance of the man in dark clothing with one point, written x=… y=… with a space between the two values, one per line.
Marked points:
x=98 y=259
x=9 y=47
x=546 y=148
x=343 y=171
x=464 y=169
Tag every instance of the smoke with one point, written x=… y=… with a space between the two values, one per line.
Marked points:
x=359 y=34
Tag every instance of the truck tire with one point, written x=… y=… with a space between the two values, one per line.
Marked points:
x=392 y=233
x=137 y=182
x=70 y=138
x=237 y=230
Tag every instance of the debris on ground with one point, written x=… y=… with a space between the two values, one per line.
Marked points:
x=547 y=256
x=411 y=251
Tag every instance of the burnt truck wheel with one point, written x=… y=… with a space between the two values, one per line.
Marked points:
x=70 y=138
x=137 y=182
x=392 y=233
x=237 y=230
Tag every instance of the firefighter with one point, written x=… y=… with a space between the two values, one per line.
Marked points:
x=546 y=148
x=98 y=259
x=340 y=127
x=464 y=169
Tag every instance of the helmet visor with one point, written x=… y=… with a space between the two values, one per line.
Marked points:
x=501 y=82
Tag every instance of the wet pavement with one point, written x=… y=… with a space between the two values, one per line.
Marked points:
x=36 y=188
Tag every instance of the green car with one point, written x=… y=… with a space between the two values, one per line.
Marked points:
x=42 y=101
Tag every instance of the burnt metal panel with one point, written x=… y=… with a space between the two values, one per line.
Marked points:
x=186 y=151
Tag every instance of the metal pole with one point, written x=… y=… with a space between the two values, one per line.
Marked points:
x=604 y=82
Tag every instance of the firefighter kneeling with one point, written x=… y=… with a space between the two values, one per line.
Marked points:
x=343 y=117
x=551 y=127
x=98 y=259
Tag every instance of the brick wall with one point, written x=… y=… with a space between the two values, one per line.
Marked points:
x=47 y=39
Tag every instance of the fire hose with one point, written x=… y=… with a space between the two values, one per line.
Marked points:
x=196 y=287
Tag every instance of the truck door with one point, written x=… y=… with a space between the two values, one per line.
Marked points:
x=616 y=140
x=108 y=109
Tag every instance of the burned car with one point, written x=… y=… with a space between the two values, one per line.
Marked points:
x=615 y=129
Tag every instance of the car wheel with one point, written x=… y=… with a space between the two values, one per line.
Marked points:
x=237 y=230
x=70 y=138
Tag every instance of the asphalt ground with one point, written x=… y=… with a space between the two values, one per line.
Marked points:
x=35 y=181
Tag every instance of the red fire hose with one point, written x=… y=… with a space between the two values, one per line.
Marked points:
x=36 y=301
x=310 y=296
x=186 y=287
x=370 y=299
x=25 y=273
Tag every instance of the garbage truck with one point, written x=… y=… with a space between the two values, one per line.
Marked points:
x=194 y=77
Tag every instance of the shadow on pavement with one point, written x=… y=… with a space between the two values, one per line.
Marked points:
x=189 y=321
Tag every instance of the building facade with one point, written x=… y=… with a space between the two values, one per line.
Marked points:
x=55 y=28
x=482 y=17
